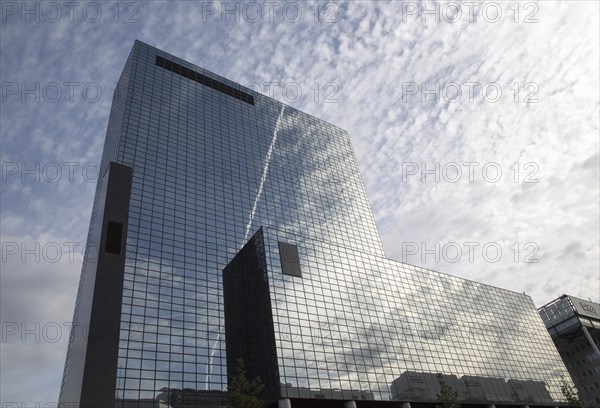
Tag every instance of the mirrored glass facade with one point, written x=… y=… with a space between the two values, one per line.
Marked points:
x=356 y=326
x=211 y=163
x=210 y=168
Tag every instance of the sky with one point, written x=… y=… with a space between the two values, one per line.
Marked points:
x=475 y=126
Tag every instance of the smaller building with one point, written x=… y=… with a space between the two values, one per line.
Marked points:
x=329 y=326
x=574 y=325
x=419 y=387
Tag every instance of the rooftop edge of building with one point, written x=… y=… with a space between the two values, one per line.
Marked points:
x=217 y=77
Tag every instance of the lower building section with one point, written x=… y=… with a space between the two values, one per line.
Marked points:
x=178 y=398
x=412 y=386
x=329 y=326
x=322 y=403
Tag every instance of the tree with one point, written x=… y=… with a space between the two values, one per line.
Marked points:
x=243 y=393
x=447 y=397
x=570 y=394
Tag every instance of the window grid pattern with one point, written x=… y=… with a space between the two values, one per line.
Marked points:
x=355 y=322
x=208 y=171
x=558 y=311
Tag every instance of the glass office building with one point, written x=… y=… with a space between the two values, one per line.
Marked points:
x=193 y=166
x=574 y=325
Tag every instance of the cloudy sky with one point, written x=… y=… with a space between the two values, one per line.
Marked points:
x=475 y=126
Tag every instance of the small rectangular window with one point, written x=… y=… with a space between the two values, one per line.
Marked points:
x=113 y=237
x=290 y=261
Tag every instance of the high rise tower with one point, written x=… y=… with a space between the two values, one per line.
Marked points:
x=199 y=163
x=193 y=166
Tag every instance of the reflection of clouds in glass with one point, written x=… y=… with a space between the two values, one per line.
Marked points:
x=208 y=171
x=264 y=173
x=167 y=332
x=321 y=197
x=371 y=319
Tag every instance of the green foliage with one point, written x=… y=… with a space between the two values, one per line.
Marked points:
x=447 y=397
x=243 y=393
x=570 y=394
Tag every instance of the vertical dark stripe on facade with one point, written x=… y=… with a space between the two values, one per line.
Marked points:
x=90 y=375
x=248 y=317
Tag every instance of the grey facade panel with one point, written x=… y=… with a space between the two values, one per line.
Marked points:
x=290 y=260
